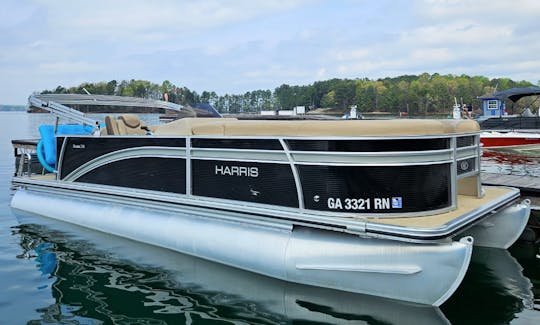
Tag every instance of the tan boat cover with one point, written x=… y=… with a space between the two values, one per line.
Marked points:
x=343 y=128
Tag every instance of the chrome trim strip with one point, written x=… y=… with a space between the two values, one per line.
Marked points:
x=284 y=162
x=382 y=158
x=325 y=163
x=453 y=174
x=326 y=137
x=469 y=151
x=330 y=153
x=198 y=149
x=377 y=153
x=297 y=182
x=273 y=137
x=478 y=165
x=377 y=164
x=466 y=157
x=322 y=157
x=189 y=186
x=61 y=158
x=135 y=152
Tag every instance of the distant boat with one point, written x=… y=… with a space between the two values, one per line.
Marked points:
x=512 y=139
x=501 y=130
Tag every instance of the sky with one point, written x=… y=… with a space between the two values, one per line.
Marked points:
x=236 y=46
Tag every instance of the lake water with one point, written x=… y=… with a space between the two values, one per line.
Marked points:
x=56 y=273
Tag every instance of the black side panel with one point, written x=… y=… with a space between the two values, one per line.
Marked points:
x=250 y=182
x=265 y=144
x=510 y=123
x=376 y=189
x=369 y=145
x=81 y=150
x=160 y=174
x=465 y=141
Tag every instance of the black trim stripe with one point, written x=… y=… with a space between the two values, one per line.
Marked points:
x=260 y=144
x=369 y=145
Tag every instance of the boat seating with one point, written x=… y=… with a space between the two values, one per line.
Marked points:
x=111 y=127
x=190 y=126
x=234 y=127
x=130 y=124
x=127 y=124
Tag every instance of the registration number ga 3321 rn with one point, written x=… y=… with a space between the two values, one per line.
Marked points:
x=377 y=203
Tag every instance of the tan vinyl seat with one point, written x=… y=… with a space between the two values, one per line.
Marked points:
x=352 y=128
x=193 y=126
x=111 y=127
x=130 y=124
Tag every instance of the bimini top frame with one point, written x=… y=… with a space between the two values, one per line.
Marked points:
x=62 y=111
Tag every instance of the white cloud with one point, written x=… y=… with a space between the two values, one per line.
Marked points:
x=240 y=45
x=67 y=67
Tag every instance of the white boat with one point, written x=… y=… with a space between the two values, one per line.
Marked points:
x=387 y=208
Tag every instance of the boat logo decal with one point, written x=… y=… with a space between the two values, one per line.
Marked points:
x=236 y=171
x=397 y=202
x=253 y=192
x=464 y=165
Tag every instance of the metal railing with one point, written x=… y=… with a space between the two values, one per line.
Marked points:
x=62 y=111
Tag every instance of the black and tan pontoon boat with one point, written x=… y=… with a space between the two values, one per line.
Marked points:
x=389 y=208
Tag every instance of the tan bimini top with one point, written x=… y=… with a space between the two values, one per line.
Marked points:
x=344 y=128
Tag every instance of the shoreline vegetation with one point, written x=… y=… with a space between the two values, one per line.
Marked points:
x=424 y=94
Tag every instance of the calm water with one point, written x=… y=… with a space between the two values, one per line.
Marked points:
x=55 y=273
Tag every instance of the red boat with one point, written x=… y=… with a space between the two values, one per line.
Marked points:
x=509 y=131
x=512 y=139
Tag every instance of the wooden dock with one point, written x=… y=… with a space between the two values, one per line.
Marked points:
x=528 y=185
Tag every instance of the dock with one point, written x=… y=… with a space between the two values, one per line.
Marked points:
x=529 y=185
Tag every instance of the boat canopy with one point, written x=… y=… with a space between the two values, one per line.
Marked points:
x=76 y=104
x=514 y=94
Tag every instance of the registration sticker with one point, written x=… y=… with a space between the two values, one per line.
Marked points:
x=397 y=202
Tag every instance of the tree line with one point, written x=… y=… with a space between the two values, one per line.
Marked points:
x=416 y=94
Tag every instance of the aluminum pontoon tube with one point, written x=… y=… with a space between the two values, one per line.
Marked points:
x=421 y=273
x=502 y=228
x=272 y=299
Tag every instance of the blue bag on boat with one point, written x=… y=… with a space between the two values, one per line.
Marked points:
x=46 y=150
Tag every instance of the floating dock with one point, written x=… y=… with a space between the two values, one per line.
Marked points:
x=529 y=185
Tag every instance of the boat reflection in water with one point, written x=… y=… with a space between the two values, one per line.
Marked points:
x=110 y=279
x=495 y=291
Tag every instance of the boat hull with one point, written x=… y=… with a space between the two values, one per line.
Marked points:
x=386 y=268
x=502 y=228
x=509 y=139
